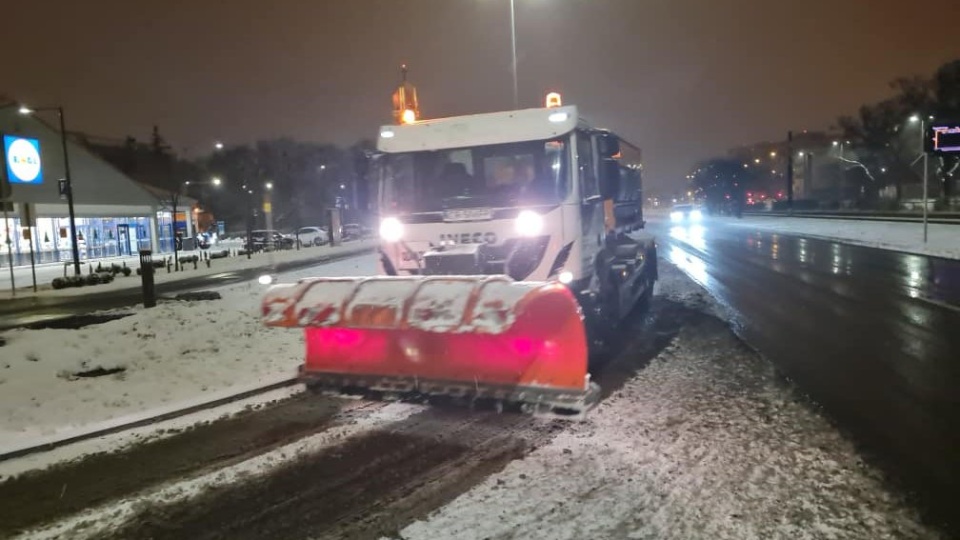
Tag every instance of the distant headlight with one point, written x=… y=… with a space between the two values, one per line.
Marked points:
x=391 y=230
x=676 y=216
x=529 y=223
x=696 y=215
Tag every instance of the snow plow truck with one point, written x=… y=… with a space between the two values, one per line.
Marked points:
x=508 y=252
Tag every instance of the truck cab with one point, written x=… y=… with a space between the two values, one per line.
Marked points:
x=536 y=194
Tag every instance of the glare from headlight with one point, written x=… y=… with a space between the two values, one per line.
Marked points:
x=529 y=223
x=696 y=215
x=391 y=230
x=676 y=216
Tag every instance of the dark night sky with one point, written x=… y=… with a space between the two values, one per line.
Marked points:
x=681 y=78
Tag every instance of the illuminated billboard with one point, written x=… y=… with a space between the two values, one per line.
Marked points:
x=22 y=158
x=944 y=139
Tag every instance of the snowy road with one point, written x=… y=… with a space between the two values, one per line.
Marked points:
x=869 y=333
x=696 y=438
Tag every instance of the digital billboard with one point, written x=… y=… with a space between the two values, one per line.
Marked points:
x=945 y=139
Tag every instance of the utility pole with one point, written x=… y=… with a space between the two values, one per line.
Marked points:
x=513 y=50
x=925 y=188
x=790 y=171
x=69 y=185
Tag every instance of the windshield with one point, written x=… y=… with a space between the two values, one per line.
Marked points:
x=502 y=175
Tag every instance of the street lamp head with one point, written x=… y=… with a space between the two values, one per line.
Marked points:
x=218 y=145
x=343 y=186
x=915 y=118
x=25 y=110
x=835 y=143
x=216 y=181
x=186 y=183
x=268 y=185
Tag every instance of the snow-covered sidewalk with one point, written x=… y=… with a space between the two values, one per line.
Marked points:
x=173 y=353
x=942 y=240
x=46 y=273
x=704 y=443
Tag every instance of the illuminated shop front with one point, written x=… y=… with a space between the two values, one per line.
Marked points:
x=115 y=216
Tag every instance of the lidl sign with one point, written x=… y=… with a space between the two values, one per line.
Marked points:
x=22 y=158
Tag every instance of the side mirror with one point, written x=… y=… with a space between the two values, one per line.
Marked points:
x=361 y=163
x=608 y=145
x=609 y=179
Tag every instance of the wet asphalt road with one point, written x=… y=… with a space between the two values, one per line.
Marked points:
x=871 y=335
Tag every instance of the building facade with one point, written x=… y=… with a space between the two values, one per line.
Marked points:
x=115 y=215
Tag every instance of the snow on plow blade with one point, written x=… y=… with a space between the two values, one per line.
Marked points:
x=476 y=337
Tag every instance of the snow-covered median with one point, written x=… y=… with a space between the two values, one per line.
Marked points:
x=942 y=240
x=176 y=352
x=705 y=442
x=46 y=273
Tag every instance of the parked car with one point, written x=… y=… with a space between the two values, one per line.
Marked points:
x=355 y=231
x=313 y=236
x=263 y=238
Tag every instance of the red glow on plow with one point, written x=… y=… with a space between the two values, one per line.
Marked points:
x=343 y=337
x=524 y=346
x=329 y=347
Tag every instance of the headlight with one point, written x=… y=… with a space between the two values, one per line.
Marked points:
x=391 y=230
x=696 y=215
x=265 y=279
x=676 y=216
x=529 y=223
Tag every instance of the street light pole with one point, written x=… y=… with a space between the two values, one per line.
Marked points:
x=68 y=181
x=925 y=188
x=513 y=48
x=73 y=219
x=842 y=175
x=923 y=152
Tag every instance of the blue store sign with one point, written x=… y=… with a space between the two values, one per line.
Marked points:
x=22 y=159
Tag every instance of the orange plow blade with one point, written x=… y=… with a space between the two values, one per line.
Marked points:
x=480 y=338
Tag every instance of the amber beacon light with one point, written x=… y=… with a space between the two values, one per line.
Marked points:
x=406 y=109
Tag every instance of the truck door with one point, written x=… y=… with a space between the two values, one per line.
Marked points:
x=591 y=204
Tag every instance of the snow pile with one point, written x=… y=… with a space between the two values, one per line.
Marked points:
x=155 y=358
x=943 y=240
x=703 y=443
x=675 y=286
